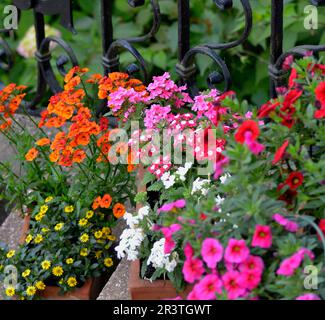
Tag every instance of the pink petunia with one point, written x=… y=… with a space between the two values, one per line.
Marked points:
x=254 y=147
x=208 y=287
x=231 y=281
x=188 y=251
x=308 y=296
x=193 y=269
x=250 y=279
x=211 y=252
x=286 y=223
x=252 y=263
x=219 y=167
x=262 y=237
x=179 y=204
x=236 y=251
x=168 y=234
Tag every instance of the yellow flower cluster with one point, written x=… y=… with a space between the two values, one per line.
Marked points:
x=69 y=209
x=41 y=214
x=57 y=271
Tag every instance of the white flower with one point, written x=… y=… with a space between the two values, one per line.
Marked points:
x=159 y=259
x=130 y=242
x=182 y=171
x=168 y=180
x=224 y=178
x=199 y=186
x=219 y=200
x=131 y=220
x=143 y=212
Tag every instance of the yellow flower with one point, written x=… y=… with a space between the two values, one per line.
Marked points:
x=111 y=237
x=30 y=291
x=45 y=230
x=10 y=291
x=38 y=238
x=40 y=285
x=1 y=267
x=72 y=282
x=29 y=238
x=84 y=252
x=69 y=209
x=48 y=199
x=57 y=271
x=61 y=282
x=84 y=238
x=39 y=216
x=59 y=226
x=98 y=234
x=26 y=273
x=46 y=264
x=108 y=262
x=83 y=222
x=106 y=231
x=44 y=208
x=89 y=214
x=98 y=254
x=69 y=261
x=11 y=253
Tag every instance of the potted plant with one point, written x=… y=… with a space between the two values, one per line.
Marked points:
x=249 y=228
x=71 y=165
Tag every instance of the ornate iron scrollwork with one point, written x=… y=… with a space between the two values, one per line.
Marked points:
x=186 y=67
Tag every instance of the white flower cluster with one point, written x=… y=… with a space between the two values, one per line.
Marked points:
x=170 y=179
x=159 y=259
x=200 y=185
x=132 y=237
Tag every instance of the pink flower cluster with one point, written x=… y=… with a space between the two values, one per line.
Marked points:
x=286 y=223
x=168 y=234
x=291 y=264
x=160 y=166
x=164 y=88
x=155 y=115
x=208 y=105
x=243 y=270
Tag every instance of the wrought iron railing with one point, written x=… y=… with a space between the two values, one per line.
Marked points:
x=186 y=67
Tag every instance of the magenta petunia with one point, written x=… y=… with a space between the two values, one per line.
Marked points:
x=208 y=287
x=262 y=237
x=250 y=279
x=231 y=281
x=252 y=263
x=286 y=223
x=193 y=269
x=211 y=252
x=236 y=251
x=308 y=296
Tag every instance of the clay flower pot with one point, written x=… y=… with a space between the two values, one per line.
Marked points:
x=89 y=291
x=156 y=290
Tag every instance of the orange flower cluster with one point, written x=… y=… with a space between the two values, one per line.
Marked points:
x=31 y=155
x=62 y=106
x=113 y=81
x=10 y=99
x=102 y=202
x=64 y=147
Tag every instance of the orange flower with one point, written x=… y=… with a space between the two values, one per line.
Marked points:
x=118 y=210
x=82 y=139
x=106 y=201
x=75 y=81
x=94 y=78
x=96 y=203
x=55 y=122
x=43 y=142
x=31 y=154
x=54 y=156
x=78 y=156
x=5 y=125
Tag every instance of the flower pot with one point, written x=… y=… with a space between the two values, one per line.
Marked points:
x=89 y=291
x=156 y=290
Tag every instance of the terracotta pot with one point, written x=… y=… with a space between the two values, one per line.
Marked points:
x=89 y=291
x=156 y=290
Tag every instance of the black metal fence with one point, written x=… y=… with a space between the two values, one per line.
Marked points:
x=186 y=67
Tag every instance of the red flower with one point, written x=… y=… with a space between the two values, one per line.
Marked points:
x=320 y=93
x=320 y=114
x=288 y=195
x=294 y=180
x=321 y=226
x=288 y=122
x=248 y=126
x=289 y=110
x=266 y=109
x=293 y=77
x=280 y=152
x=291 y=97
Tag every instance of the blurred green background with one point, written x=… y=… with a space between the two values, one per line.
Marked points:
x=247 y=63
